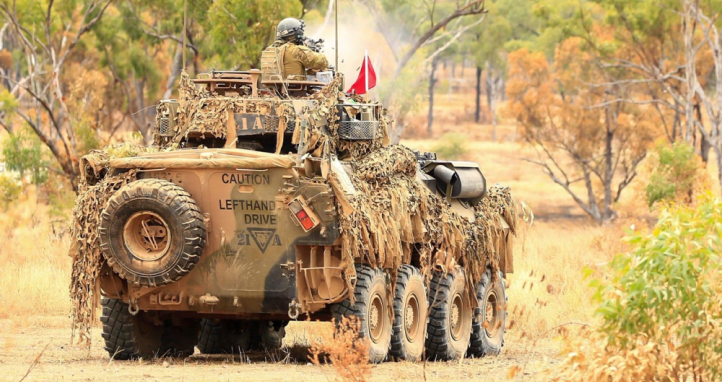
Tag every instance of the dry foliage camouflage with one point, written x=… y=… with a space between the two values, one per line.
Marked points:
x=96 y=187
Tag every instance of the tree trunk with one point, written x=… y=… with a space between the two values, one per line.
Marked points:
x=492 y=84
x=608 y=168
x=174 y=72
x=432 y=84
x=477 y=112
x=690 y=72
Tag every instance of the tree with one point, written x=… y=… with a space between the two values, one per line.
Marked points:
x=579 y=133
x=239 y=31
x=47 y=35
x=413 y=26
x=680 y=78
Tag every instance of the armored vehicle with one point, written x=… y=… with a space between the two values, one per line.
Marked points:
x=266 y=200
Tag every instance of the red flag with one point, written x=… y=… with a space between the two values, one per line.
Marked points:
x=361 y=85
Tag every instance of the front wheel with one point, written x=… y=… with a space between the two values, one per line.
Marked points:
x=236 y=336
x=489 y=324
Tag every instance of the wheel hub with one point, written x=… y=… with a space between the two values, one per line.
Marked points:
x=375 y=318
x=456 y=320
x=146 y=236
x=411 y=318
x=491 y=316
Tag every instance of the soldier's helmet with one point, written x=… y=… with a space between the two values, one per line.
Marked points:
x=290 y=29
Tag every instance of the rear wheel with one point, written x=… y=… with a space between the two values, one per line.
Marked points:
x=410 y=309
x=371 y=309
x=127 y=336
x=489 y=324
x=449 y=327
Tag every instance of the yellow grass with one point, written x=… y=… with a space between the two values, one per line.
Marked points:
x=34 y=266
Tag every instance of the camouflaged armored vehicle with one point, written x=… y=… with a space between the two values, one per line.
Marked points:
x=264 y=201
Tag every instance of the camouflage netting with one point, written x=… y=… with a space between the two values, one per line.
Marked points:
x=203 y=112
x=322 y=124
x=393 y=214
x=95 y=189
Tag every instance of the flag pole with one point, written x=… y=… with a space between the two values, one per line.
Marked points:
x=366 y=72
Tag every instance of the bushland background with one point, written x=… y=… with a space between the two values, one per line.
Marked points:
x=601 y=115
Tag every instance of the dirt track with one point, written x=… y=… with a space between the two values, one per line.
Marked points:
x=22 y=342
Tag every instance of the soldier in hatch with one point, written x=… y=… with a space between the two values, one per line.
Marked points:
x=298 y=60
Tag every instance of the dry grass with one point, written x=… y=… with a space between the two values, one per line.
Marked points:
x=348 y=355
x=34 y=266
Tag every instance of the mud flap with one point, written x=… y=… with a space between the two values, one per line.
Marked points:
x=505 y=248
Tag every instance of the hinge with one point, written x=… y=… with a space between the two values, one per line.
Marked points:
x=289 y=269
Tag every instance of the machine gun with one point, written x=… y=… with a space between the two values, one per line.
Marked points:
x=314 y=45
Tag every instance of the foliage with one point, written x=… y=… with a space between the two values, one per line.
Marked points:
x=23 y=152
x=451 y=146
x=10 y=189
x=665 y=292
x=677 y=175
x=348 y=354
x=660 y=307
x=239 y=31
x=581 y=132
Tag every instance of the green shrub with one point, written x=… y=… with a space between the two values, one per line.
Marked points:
x=667 y=290
x=451 y=146
x=9 y=190
x=677 y=170
x=23 y=152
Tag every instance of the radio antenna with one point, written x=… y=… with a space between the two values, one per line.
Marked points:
x=336 y=24
x=185 y=9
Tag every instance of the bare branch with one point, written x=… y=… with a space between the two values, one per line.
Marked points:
x=472 y=8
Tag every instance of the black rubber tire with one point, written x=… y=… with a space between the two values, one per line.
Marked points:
x=410 y=289
x=223 y=337
x=234 y=336
x=179 y=341
x=272 y=334
x=370 y=284
x=185 y=225
x=127 y=336
x=441 y=343
x=484 y=343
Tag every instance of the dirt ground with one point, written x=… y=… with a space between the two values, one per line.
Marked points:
x=23 y=342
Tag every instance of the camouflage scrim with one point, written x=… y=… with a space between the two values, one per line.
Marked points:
x=298 y=58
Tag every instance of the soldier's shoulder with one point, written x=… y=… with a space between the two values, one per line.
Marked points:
x=304 y=49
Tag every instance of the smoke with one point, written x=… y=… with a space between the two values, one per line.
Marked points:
x=356 y=32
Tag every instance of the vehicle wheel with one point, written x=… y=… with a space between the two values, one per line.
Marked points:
x=223 y=337
x=151 y=232
x=272 y=333
x=371 y=309
x=489 y=323
x=449 y=327
x=179 y=341
x=127 y=336
x=410 y=309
